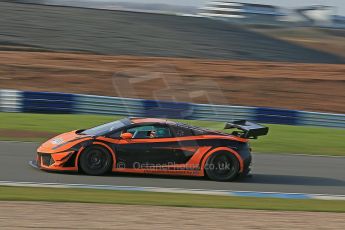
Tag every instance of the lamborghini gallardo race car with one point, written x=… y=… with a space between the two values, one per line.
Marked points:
x=152 y=146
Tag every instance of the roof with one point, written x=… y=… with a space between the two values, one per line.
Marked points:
x=137 y=120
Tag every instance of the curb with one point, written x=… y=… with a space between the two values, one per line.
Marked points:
x=257 y=194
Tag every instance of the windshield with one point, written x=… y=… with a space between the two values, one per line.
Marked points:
x=105 y=128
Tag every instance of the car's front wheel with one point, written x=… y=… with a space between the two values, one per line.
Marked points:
x=222 y=166
x=95 y=161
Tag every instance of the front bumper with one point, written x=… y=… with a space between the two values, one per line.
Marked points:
x=64 y=161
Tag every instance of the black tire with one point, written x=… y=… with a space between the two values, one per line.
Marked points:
x=95 y=161
x=222 y=166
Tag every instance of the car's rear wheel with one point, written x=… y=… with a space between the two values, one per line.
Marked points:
x=222 y=166
x=95 y=161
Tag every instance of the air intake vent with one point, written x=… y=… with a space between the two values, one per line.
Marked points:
x=47 y=160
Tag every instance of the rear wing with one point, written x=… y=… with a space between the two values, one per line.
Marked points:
x=249 y=130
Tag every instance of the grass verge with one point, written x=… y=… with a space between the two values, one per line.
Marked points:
x=165 y=199
x=281 y=139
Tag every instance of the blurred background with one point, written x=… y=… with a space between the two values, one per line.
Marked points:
x=256 y=54
x=272 y=62
x=73 y=64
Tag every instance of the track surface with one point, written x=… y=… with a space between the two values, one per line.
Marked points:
x=272 y=173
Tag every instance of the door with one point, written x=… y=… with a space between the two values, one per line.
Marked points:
x=151 y=145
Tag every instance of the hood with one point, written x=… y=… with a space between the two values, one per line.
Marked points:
x=62 y=142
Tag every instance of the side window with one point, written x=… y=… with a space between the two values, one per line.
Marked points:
x=116 y=135
x=150 y=131
x=163 y=132
x=140 y=131
x=181 y=131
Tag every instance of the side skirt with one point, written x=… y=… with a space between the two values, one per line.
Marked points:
x=177 y=171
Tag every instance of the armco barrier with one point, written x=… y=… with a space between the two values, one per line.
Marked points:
x=10 y=101
x=89 y=104
x=41 y=102
x=167 y=109
x=44 y=102
x=276 y=116
x=221 y=112
x=321 y=119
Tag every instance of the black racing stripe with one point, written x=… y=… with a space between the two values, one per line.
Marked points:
x=108 y=143
x=203 y=156
x=214 y=143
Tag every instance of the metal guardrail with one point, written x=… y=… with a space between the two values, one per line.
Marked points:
x=46 y=102
x=10 y=101
x=322 y=119
x=107 y=105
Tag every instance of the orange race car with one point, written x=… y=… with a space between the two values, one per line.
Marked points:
x=152 y=146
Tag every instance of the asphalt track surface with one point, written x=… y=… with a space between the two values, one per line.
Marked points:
x=272 y=173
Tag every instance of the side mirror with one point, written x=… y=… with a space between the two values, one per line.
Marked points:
x=126 y=136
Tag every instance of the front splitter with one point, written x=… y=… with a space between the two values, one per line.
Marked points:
x=33 y=164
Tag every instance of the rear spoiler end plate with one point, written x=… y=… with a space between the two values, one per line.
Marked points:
x=249 y=130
